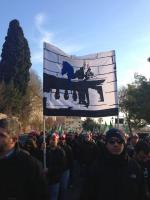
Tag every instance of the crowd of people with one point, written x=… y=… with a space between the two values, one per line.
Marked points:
x=103 y=167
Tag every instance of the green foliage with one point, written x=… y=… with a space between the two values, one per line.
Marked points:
x=10 y=101
x=90 y=125
x=110 y=125
x=14 y=73
x=15 y=58
x=134 y=101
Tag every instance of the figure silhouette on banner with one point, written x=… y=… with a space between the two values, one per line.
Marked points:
x=83 y=77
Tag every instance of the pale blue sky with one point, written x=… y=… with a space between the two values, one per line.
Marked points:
x=85 y=26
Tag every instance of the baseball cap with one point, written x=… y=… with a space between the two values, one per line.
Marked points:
x=114 y=132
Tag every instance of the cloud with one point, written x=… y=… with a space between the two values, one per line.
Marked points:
x=45 y=35
x=69 y=47
x=39 y=19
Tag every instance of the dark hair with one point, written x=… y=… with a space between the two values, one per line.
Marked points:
x=142 y=146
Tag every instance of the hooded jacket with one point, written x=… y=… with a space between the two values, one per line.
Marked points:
x=113 y=177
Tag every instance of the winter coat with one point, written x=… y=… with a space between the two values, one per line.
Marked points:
x=55 y=160
x=69 y=156
x=145 y=167
x=22 y=178
x=113 y=178
x=88 y=153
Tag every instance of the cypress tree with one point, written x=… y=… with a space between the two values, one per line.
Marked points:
x=15 y=58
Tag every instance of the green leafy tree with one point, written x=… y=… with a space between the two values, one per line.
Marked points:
x=89 y=124
x=124 y=107
x=15 y=58
x=2 y=101
x=135 y=102
x=10 y=101
x=14 y=71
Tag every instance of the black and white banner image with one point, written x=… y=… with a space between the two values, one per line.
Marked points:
x=79 y=85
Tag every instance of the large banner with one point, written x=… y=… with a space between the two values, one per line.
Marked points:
x=79 y=85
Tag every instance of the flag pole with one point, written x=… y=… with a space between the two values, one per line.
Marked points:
x=44 y=133
x=44 y=143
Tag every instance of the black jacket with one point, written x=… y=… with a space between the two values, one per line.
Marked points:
x=145 y=167
x=88 y=153
x=55 y=159
x=69 y=156
x=22 y=178
x=113 y=177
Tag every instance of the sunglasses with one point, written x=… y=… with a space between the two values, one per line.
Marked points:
x=113 y=141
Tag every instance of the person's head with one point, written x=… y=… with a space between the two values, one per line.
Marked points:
x=87 y=137
x=115 y=141
x=62 y=138
x=70 y=137
x=134 y=139
x=82 y=69
x=9 y=131
x=142 y=151
x=54 y=140
x=84 y=65
x=30 y=144
x=33 y=135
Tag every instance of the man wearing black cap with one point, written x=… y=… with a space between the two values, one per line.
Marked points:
x=142 y=155
x=113 y=176
x=21 y=176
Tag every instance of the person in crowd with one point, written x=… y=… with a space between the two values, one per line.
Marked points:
x=64 y=182
x=88 y=153
x=142 y=156
x=132 y=141
x=113 y=175
x=21 y=175
x=55 y=160
x=72 y=139
x=31 y=147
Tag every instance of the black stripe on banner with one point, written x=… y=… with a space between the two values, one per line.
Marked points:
x=79 y=113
